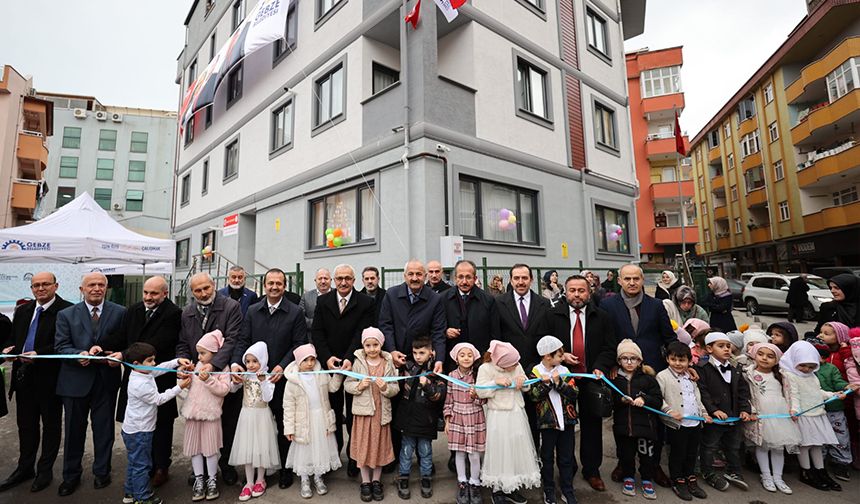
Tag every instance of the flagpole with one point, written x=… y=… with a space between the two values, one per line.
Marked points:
x=683 y=214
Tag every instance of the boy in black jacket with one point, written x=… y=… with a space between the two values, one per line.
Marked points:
x=724 y=394
x=635 y=428
x=418 y=415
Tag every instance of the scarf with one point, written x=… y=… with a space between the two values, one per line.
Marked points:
x=670 y=283
x=801 y=352
x=632 y=303
x=846 y=310
x=719 y=286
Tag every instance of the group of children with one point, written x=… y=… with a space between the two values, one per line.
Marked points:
x=752 y=379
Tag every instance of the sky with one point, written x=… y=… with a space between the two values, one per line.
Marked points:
x=725 y=42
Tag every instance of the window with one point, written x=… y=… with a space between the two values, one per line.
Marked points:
x=182 y=249
x=284 y=46
x=139 y=140
x=234 y=84
x=532 y=89
x=536 y=6
x=713 y=139
x=730 y=159
x=68 y=167
x=330 y=96
x=189 y=131
x=107 y=140
x=784 y=213
x=707 y=235
x=604 y=126
x=134 y=200
x=667 y=174
x=185 y=195
x=773 y=131
x=704 y=209
x=768 y=93
x=727 y=131
x=231 y=160
x=383 y=77
x=595 y=27
x=746 y=108
x=352 y=211
x=238 y=14
x=607 y=222
x=324 y=6
x=750 y=143
x=212 y=46
x=102 y=197
x=208 y=114
x=661 y=81
x=778 y=170
x=104 y=169
x=842 y=80
x=734 y=192
x=204 y=186
x=192 y=74
x=136 y=171
x=282 y=126
x=845 y=196
x=65 y=195
x=486 y=208
x=738 y=225
x=71 y=137
x=754 y=179
x=207 y=239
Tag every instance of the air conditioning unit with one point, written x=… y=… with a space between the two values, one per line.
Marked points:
x=117 y=206
x=101 y=115
x=117 y=118
x=80 y=113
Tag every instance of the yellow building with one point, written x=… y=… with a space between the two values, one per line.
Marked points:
x=777 y=169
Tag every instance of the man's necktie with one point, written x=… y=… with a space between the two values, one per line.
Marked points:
x=30 y=342
x=95 y=319
x=578 y=342
x=524 y=315
x=148 y=314
x=342 y=304
x=272 y=310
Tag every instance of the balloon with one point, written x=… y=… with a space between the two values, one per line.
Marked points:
x=620 y=232
x=338 y=232
x=328 y=231
x=329 y=236
x=504 y=213
x=329 y=244
x=338 y=241
x=512 y=219
x=504 y=224
x=613 y=237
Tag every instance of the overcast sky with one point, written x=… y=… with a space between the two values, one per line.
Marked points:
x=725 y=42
x=124 y=52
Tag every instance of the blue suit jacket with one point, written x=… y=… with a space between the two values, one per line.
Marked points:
x=400 y=321
x=75 y=335
x=655 y=330
x=248 y=298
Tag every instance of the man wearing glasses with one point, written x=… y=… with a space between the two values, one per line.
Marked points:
x=35 y=381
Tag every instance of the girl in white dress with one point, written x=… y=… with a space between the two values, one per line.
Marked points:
x=770 y=435
x=256 y=443
x=510 y=462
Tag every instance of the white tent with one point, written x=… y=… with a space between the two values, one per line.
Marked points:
x=82 y=232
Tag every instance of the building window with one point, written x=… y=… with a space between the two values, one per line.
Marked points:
x=107 y=140
x=136 y=171
x=324 y=6
x=734 y=192
x=713 y=139
x=707 y=235
x=192 y=74
x=842 y=80
x=768 y=93
x=604 y=126
x=778 y=170
x=212 y=46
x=71 y=138
x=104 y=169
x=282 y=126
x=287 y=44
x=102 y=197
x=746 y=108
x=231 y=160
x=349 y=214
x=738 y=225
x=330 y=96
x=661 y=81
x=182 y=249
x=234 y=84
x=189 y=131
x=730 y=159
x=139 y=140
x=185 y=195
x=383 y=77
x=532 y=89
x=595 y=27
x=607 y=223
x=754 y=179
x=845 y=196
x=134 y=200
x=784 y=213
x=65 y=195
x=238 y=14
x=773 y=131
x=68 y=167
x=727 y=131
x=207 y=239
x=750 y=144
x=208 y=114
x=486 y=209
x=204 y=186
x=704 y=209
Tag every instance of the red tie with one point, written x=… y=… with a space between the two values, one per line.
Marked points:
x=578 y=344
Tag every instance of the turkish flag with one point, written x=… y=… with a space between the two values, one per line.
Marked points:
x=414 y=14
x=679 y=138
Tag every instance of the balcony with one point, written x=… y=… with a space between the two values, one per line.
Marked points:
x=4 y=78
x=24 y=195
x=661 y=147
x=760 y=234
x=757 y=197
x=721 y=212
x=724 y=243
x=813 y=74
x=672 y=235
x=825 y=118
x=663 y=106
x=828 y=168
x=833 y=217
x=32 y=153
x=669 y=190
x=714 y=154
x=718 y=181
x=39 y=115
x=747 y=126
x=751 y=161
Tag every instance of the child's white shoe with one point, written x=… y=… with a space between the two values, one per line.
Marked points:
x=768 y=483
x=320 y=484
x=306 y=491
x=782 y=487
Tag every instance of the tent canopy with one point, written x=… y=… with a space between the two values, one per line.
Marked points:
x=81 y=231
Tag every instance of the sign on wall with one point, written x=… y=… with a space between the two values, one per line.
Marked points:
x=230 y=226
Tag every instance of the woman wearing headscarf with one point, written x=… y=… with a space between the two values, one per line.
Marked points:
x=551 y=290
x=667 y=285
x=611 y=283
x=719 y=303
x=845 y=307
x=682 y=306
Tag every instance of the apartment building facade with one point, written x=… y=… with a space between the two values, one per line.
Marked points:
x=516 y=136
x=667 y=199
x=26 y=122
x=777 y=169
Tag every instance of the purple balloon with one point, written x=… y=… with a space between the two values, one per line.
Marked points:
x=504 y=213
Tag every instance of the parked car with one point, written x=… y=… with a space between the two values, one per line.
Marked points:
x=737 y=288
x=767 y=291
x=745 y=277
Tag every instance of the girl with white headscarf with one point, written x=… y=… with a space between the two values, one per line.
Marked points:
x=667 y=285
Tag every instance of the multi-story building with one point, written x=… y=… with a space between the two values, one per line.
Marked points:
x=777 y=169
x=516 y=135
x=666 y=211
x=123 y=157
x=25 y=123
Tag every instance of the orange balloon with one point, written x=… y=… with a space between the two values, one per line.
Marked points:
x=330 y=244
x=338 y=232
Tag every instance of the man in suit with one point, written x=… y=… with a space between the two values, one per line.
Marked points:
x=471 y=313
x=322 y=279
x=35 y=381
x=236 y=290
x=641 y=318
x=339 y=318
x=206 y=312
x=436 y=277
x=88 y=388
x=370 y=279
x=588 y=335
x=157 y=321
x=281 y=326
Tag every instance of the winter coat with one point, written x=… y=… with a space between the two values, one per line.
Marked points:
x=500 y=399
x=717 y=395
x=547 y=418
x=418 y=411
x=753 y=430
x=673 y=399
x=632 y=421
x=797 y=292
x=852 y=363
x=804 y=392
x=838 y=358
x=297 y=410
x=831 y=380
x=681 y=317
x=205 y=398
x=721 y=312
x=362 y=403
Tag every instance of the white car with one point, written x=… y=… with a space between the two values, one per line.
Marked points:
x=767 y=291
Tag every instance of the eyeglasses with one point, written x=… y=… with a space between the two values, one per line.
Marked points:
x=43 y=285
x=344 y=279
x=629 y=359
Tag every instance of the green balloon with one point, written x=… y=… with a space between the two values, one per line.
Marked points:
x=329 y=231
x=338 y=241
x=329 y=236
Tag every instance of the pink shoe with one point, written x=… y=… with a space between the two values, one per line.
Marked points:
x=245 y=494
x=259 y=489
